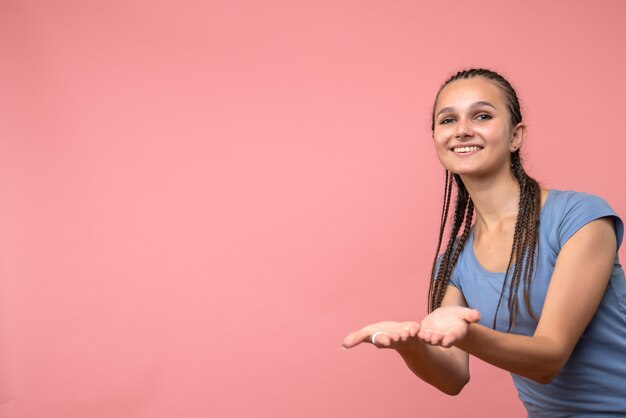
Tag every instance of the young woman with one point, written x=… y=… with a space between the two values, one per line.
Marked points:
x=533 y=286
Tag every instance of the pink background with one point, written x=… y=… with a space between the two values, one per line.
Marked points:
x=200 y=199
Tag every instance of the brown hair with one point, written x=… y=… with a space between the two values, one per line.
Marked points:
x=525 y=240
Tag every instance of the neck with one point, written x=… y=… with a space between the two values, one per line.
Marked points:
x=496 y=199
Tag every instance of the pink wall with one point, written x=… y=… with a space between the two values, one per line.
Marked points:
x=198 y=200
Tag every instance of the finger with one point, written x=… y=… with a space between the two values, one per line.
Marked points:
x=404 y=335
x=406 y=331
x=424 y=335
x=414 y=329
x=428 y=338
x=382 y=340
x=471 y=315
x=435 y=338
x=355 y=338
x=448 y=340
x=394 y=336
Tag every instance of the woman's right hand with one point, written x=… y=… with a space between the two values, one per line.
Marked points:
x=388 y=334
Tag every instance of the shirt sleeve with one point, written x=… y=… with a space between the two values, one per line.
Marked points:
x=454 y=280
x=582 y=208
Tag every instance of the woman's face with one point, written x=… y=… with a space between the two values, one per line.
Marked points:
x=473 y=133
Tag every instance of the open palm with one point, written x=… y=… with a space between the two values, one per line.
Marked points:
x=447 y=325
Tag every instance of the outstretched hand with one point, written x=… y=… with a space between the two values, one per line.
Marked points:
x=388 y=334
x=447 y=325
x=443 y=327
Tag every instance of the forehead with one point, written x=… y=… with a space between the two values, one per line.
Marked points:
x=461 y=93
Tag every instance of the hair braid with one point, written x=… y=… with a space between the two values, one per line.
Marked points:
x=458 y=247
x=447 y=193
x=443 y=273
x=441 y=276
x=532 y=200
x=517 y=243
x=524 y=242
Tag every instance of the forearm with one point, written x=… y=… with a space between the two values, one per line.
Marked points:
x=440 y=367
x=538 y=358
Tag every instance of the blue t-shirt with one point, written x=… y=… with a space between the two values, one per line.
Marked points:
x=593 y=381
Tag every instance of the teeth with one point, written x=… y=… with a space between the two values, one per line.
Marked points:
x=465 y=149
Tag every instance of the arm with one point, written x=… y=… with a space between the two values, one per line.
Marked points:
x=447 y=369
x=578 y=283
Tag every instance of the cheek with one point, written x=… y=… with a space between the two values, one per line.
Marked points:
x=439 y=138
x=441 y=149
x=496 y=136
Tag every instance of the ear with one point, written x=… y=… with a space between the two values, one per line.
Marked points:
x=518 y=138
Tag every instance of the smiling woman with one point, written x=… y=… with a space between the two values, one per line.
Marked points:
x=533 y=285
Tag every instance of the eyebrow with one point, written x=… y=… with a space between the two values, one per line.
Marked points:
x=472 y=106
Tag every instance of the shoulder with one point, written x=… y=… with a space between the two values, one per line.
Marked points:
x=569 y=210
x=571 y=198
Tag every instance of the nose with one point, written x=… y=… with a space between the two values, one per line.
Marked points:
x=463 y=129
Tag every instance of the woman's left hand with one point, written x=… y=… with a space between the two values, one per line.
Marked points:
x=446 y=325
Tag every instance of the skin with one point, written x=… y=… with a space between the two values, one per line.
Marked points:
x=474 y=112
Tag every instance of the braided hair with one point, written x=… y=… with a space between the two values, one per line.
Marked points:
x=523 y=251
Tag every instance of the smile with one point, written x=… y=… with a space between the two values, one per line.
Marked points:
x=464 y=150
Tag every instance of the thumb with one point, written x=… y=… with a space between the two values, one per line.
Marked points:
x=471 y=315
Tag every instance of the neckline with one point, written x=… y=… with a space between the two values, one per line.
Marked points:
x=470 y=242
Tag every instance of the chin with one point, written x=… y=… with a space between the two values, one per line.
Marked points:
x=464 y=171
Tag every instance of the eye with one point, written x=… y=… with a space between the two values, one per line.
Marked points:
x=445 y=121
x=483 y=116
